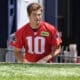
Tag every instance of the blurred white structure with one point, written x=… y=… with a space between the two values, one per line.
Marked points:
x=73 y=51
x=10 y=54
x=71 y=55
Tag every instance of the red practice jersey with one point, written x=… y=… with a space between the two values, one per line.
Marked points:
x=37 y=44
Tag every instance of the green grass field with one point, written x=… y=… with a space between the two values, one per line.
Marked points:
x=9 y=71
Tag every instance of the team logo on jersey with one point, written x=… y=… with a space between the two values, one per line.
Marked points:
x=43 y=33
x=14 y=39
x=57 y=35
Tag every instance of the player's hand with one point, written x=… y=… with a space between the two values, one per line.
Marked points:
x=42 y=61
x=26 y=61
x=45 y=59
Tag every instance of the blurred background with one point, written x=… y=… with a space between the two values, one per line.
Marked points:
x=64 y=14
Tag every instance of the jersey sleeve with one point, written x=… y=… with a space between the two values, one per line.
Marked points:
x=56 y=37
x=17 y=40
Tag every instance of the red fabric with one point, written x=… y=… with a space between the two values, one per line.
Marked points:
x=37 y=44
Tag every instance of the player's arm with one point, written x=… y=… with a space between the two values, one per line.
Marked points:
x=18 y=55
x=55 y=51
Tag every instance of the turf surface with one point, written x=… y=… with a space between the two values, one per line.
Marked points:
x=9 y=71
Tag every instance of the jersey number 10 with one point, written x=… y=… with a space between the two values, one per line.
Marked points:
x=36 y=45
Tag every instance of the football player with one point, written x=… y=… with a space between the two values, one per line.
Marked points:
x=40 y=39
